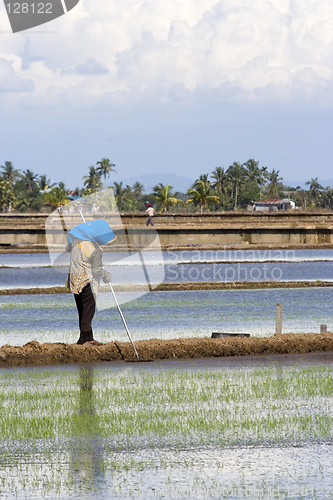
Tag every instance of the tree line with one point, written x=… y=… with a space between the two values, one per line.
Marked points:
x=231 y=188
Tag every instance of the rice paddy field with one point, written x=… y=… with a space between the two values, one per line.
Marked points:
x=40 y=270
x=167 y=315
x=240 y=427
x=210 y=429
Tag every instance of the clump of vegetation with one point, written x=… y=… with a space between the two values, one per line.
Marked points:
x=230 y=188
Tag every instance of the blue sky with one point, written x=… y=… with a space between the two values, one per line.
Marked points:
x=177 y=87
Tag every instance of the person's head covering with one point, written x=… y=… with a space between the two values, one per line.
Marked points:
x=148 y=204
x=97 y=231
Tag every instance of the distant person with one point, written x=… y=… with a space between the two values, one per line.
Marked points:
x=86 y=270
x=150 y=212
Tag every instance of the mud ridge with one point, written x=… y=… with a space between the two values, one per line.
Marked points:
x=35 y=354
x=183 y=286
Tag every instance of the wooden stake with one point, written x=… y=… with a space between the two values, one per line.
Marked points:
x=278 y=328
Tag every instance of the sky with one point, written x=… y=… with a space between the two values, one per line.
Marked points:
x=169 y=89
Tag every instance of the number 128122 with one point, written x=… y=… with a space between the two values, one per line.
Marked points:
x=29 y=8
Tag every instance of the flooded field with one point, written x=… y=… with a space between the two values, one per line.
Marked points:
x=166 y=315
x=35 y=270
x=250 y=427
x=214 y=429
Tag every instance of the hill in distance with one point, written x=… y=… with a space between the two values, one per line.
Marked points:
x=178 y=182
x=303 y=185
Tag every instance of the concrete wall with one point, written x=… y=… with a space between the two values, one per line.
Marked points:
x=188 y=230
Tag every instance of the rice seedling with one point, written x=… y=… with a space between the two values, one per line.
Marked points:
x=207 y=407
x=87 y=423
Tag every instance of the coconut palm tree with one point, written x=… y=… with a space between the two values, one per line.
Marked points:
x=9 y=173
x=105 y=167
x=274 y=186
x=205 y=178
x=92 y=181
x=201 y=195
x=7 y=197
x=138 y=189
x=45 y=183
x=328 y=198
x=119 y=192
x=27 y=191
x=8 y=177
x=57 y=196
x=315 y=191
x=220 y=180
x=30 y=180
x=254 y=174
x=164 y=197
x=124 y=197
x=236 y=175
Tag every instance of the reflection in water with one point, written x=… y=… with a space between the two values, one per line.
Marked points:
x=88 y=462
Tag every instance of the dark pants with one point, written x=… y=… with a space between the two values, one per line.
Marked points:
x=150 y=221
x=85 y=303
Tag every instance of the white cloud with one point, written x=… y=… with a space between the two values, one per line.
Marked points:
x=91 y=67
x=234 y=49
x=11 y=81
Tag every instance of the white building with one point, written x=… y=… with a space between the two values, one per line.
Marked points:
x=272 y=205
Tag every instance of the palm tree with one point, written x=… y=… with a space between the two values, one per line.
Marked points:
x=124 y=196
x=138 y=189
x=8 y=178
x=328 y=197
x=274 y=186
x=254 y=174
x=30 y=180
x=27 y=191
x=45 y=183
x=236 y=175
x=204 y=177
x=315 y=190
x=300 y=197
x=220 y=180
x=105 y=167
x=118 y=189
x=200 y=194
x=120 y=193
x=165 y=197
x=9 y=173
x=57 y=196
x=92 y=181
x=7 y=197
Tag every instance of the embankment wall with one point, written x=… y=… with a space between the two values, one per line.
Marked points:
x=184 y=230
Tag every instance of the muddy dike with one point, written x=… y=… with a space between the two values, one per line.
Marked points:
x=35 y=354
x=183 y=286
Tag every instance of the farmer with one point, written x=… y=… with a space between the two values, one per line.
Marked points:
x=150 y=212
x=86 y=270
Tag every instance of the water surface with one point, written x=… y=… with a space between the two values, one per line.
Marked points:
x=41 y=277
x=53 y=318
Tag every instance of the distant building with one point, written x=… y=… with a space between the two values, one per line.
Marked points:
x=272 y=205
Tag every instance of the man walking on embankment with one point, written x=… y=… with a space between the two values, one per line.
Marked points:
x=150 y=212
